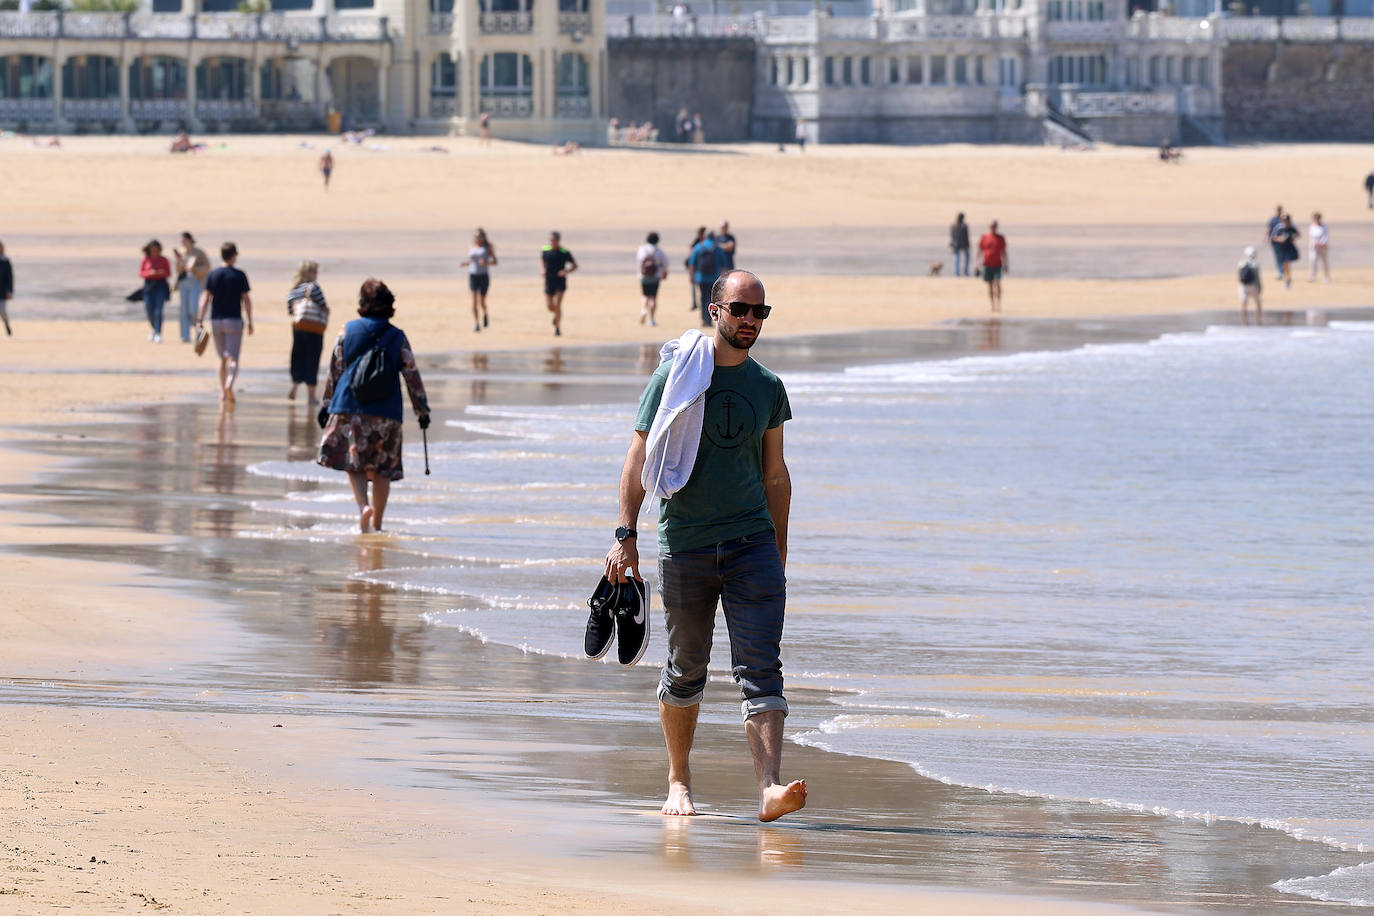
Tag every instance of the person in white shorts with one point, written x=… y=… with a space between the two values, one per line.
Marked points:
x=1318 y=240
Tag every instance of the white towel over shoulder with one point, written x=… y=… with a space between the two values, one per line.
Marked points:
x=671 y=449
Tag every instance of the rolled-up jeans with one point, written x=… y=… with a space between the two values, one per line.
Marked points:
x=745 y=576
x=190 y=289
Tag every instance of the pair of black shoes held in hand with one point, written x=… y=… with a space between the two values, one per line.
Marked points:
x=618 y=608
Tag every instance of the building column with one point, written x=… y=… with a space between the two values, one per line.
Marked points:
x=192 y=91
x=255 y=82
x=383 y=98
x=126 y=121
x=59 y=121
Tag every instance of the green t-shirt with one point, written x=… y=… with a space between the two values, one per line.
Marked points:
x=723 y=498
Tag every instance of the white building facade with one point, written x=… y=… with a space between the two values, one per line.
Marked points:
x=537 y=67
x=993 y=70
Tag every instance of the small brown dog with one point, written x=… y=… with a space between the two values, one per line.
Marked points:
x=936 y=267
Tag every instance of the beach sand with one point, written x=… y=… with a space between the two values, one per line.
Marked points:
x=214 y=723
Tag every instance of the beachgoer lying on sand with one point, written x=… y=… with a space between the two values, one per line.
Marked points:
x=568 y=148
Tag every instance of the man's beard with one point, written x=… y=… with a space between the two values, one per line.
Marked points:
x=733 y=339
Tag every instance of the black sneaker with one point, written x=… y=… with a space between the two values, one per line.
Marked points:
x=601 y=622
x=632 y=621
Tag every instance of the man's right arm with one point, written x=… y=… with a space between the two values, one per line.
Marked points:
x=624 y=555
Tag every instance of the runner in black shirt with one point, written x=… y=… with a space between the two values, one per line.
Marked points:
x=558 y=263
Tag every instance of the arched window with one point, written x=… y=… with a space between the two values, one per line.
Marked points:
x=90 y=76
x=157 y=78
x=508 y=85
x=224 y=78
x=443 y=75
x=25 y=76
x=574 y=92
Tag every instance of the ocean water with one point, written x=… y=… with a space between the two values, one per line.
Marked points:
x=1134 y=575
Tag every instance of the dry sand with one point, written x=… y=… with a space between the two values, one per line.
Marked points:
x=125 y=809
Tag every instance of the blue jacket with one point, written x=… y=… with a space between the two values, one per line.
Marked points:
x=358 y=338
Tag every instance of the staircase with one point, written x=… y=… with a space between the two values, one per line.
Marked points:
x=1063 y=130
x=1192 y=132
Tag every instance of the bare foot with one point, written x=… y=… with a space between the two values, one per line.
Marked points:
x=680 y=800
x=780 y=800
x=365 y=521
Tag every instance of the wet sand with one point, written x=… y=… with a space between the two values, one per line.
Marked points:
x=305 y=740
x=156 y=638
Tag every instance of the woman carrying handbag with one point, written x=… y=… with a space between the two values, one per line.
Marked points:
x=309 y=318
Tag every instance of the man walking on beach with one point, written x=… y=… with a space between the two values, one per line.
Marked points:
x=722 y=533
x=1271 y=228
x=226 y=298
x=1369 y=190
x=653 y=270
x=557 y=263
x=6 y=289
x=992 y=261
x=705 y=264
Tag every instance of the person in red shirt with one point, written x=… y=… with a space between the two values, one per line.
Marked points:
x=154 y=270
x=992 y=261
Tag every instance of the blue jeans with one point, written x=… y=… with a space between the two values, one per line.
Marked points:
x=961 y=257
x=154 y=298
x=1279 y=258
x=745 y=575
x=190 y=301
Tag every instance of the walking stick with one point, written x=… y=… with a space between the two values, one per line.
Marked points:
x=424 y=434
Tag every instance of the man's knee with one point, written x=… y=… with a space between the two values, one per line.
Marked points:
x=681 y=694
x=752 y=706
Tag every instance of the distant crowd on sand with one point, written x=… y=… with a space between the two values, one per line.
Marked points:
x=687 y=128
x=1283 y=236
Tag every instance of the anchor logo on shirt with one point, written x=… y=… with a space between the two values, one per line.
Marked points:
x=725 y=432
x=730 y=419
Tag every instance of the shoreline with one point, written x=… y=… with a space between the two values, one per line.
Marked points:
x=493 y=747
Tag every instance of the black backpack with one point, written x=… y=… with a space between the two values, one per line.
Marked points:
x=1248 y=274
x=706 y=262
x=374 y=373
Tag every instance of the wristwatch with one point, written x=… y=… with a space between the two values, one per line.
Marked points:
x=622 y=533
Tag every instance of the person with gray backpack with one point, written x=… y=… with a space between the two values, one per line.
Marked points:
x=362 y=413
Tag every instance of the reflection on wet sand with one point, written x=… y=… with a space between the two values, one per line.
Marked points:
x=359 y=636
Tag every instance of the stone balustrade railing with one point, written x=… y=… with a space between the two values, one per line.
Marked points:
x=203 y=26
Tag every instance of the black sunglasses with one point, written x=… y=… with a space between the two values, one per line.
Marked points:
x=740 y=309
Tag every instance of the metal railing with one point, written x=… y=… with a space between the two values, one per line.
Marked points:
x=91 y=109
x=506 y=23
x=443 y=106
x=225 y=109
x=573 y=105
x=440 y=23
x=508 y=105
x=157 y=109
x=574 y=23
x=27 y=109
